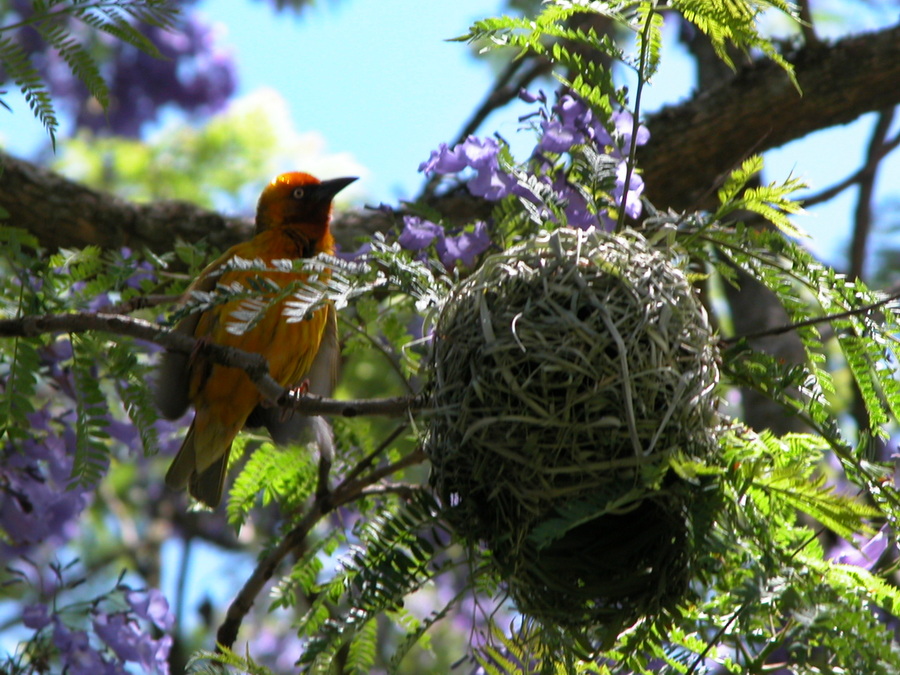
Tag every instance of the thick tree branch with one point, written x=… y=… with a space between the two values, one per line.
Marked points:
x=63 y=213
x=693 y=145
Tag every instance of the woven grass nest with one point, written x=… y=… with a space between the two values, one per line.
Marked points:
x=568 y=372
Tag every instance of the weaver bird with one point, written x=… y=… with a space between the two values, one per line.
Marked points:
x=292 y=220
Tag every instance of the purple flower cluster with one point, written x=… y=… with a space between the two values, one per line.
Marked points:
x=570 y=123
x=37 y=501
x=195 y=74
x=480 y=154
x=418 y=235
x=124 y=636
x=863 y=553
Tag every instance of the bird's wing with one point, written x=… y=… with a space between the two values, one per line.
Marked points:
x=285 y=427
x=172 y=392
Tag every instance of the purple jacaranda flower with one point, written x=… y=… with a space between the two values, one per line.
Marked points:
x=143 y=273
x=633 y=204
x=491 y=183
x=124 y=432
x=572 y=122
x=464 y=247
x=77 y=654
x=121 y=635
x=864 y=554
x=36 y=509
x=528 y=97
x=35 y=616
x=578 y=214
x=129 y=643
x=624 y=122
x=418 y=233
x=444 y=160
x=557 y=138
x=152 y=606
x=480 y=153
x=573 y=112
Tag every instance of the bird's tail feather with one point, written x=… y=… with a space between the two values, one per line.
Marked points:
x=206 y=485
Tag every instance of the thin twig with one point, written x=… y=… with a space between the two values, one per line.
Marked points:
x=346 y=492
x=265 y=570
x=862 y=220
x=369 y=459
x=636 y=121
x=827 y=318
x=255 y=365
x=832 y=192
x=352 y=489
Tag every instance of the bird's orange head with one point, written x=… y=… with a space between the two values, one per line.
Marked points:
x=298 y=199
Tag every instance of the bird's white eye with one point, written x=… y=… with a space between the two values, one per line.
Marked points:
x=298 y=193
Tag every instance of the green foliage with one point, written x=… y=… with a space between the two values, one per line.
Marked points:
x=284 y=474
x=730 y=22
x=211 y=663
x=50 y=19
x=15 y=62
x=393 y=559
x=547 y=36
x=91 y=449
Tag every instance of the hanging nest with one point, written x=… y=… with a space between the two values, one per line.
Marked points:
x=570 y=374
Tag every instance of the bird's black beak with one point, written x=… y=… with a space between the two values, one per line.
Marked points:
x=327 y=189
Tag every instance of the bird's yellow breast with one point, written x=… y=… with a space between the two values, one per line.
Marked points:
x=289 y=345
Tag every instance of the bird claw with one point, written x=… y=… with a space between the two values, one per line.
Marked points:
x=300 y=390
x=202 y=342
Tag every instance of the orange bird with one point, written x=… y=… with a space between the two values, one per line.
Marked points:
x=292 y=220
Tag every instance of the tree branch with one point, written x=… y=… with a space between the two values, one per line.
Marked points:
x=862 y=217
x=827 y=318
x=695 y=144
x=255 y=365
x=349 y=490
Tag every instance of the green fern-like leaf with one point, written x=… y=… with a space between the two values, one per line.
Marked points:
x=274 y=473
x=734 y=22
x=20 y=358
x=772 y=201
x=210 y=663
x=20 y=70
x=363 y=649
x=393 y=559
x=130 y=375
x=80 y=62
x=120 y=19
x=649 y=39
x=91 y=448
x=841 y=514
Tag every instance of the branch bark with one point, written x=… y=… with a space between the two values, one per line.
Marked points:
x=692 y=146
x=255 y=365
